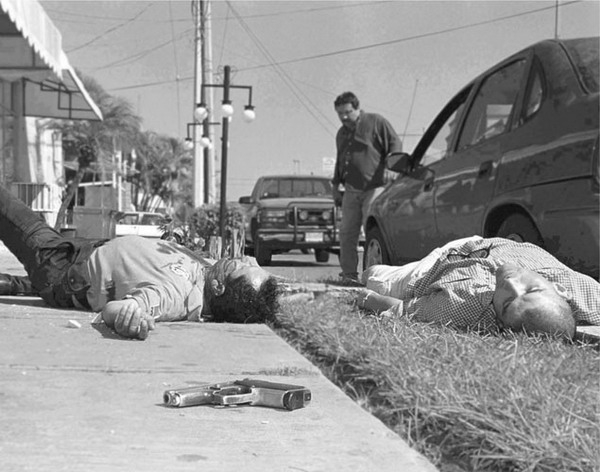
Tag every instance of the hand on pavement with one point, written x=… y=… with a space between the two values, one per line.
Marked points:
x=127 y=319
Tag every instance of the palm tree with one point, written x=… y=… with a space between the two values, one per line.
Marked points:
x=162 y=169
x=93 y=143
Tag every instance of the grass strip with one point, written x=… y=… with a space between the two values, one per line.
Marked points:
x=466 y=401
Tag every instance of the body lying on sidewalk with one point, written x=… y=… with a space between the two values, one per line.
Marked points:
x=486 y=284
x=133 y=281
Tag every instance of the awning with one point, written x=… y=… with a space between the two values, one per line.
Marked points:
x=30 y=44
x=66 y=99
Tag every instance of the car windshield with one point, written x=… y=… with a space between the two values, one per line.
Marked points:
x=152 y=220
x=129 y=219
x=294 y=188
x=584 y=53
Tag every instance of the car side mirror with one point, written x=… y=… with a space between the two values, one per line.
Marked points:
x=246 y=200
x=398 y=162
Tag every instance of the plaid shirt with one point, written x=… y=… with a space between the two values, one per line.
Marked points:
x=458 y=289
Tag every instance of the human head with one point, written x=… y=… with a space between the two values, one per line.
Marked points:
x=526 y=301
x=347 y=107
x=240 y=291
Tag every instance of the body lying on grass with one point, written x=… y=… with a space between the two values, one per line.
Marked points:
x=486 y=284
x=132 y=281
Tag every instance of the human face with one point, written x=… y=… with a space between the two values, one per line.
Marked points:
x=518 y=290
x=347 y=114
x=245 y=267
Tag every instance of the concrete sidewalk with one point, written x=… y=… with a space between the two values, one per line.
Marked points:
x=81 y=398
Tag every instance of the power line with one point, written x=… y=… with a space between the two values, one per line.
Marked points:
x=371 y=46
x=135 y=57
x=178 y=20
x=287 y=81
x=176 y=66
x=110 y=30
x=225 y=28
x=409 y=38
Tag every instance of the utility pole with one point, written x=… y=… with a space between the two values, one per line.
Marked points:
x=207 y=74
x=224 y=150
x=556 y=5
x=198 y=160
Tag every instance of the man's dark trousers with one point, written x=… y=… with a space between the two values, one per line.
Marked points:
x=54 y=263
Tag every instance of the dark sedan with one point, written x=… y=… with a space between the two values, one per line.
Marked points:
x=513 y=154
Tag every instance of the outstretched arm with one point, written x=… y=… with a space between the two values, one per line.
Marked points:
x=126 y=318
x=372 y=301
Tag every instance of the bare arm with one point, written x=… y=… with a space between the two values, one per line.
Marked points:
x=370 y=300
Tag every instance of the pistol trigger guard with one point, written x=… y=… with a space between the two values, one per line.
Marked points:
x=233 y=395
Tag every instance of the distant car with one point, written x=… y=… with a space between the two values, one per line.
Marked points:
x=514 y=154
x=146 y=224
x=288 y=212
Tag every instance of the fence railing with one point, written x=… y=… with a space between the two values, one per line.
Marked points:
x=41 y=198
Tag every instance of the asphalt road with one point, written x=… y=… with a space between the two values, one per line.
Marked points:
x=293 y=265
x=303 y=267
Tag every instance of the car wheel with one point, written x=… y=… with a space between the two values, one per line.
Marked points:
x=321 y=255
x=172 y=237
x=520 y=228
x=375 y=251
x=263 y=255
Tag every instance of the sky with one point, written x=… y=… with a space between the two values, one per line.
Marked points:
x=403 y=59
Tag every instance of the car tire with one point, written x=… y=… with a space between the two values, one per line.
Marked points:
x=321 y=255
x=262 y=254
x=172 y=237
x=375 y=251
x=520 y=228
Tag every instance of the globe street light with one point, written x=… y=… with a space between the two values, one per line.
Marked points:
x=227 y=110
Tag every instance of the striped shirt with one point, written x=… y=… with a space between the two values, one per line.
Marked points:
x=457 y=289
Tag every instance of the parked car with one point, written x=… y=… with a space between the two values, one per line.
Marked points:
x=514 y=154
x=288 y=212
x=146 y=224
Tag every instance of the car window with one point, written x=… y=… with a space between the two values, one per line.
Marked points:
x=129 y=219
x=534 y=96
x=440 y=146
x=152 y=219
x=294 y=188
x=491 y=110
x=437 y=142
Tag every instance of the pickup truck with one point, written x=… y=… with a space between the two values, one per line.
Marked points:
x=288 y=212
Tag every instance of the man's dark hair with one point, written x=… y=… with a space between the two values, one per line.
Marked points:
x=347 y=97
x=242 y=303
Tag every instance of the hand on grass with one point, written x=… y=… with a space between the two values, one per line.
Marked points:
x=369 y=300
x=127 y=319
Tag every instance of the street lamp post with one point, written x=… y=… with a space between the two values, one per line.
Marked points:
x=227 y=109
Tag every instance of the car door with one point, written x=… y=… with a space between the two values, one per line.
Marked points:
x=410 y=205
x=464 y=183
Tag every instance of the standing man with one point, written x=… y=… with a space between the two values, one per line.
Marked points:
x=363 y=143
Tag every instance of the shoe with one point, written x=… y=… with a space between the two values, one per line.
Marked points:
x=15 y=285
x=6 y=287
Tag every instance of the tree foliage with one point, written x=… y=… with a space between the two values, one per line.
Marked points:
x=162 y=165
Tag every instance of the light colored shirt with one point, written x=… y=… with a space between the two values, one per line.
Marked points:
x=457 y=290
x=165 y=278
